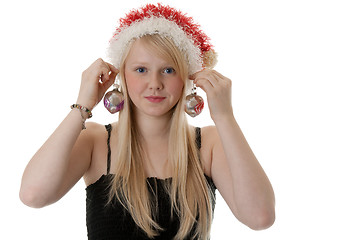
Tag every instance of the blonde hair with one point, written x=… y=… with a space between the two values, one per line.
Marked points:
x=188 y=191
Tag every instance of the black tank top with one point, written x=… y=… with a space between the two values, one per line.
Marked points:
x=112 y=221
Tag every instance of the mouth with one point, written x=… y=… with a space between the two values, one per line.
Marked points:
x=155 y=99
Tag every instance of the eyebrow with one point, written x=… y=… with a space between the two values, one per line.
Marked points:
x=145 y=63
x=138 y=63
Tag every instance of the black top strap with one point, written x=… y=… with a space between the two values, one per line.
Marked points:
x=108 y=129
x=198 y=138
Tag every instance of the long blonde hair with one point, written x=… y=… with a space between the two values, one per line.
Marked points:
x=189 y=192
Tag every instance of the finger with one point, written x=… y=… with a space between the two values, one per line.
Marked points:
x=105 y=69
x=224 y=80
x=111 y=67
x=104 y=78
x=216 y=78
x=192 y=77
x=107 y=84
x=195 y=75
x=205 y=85
x=103 y=66
x=109 y=78
x=112 y=77
x=207 y=77
x=208 y=74
x=217 y=74
x=104 y=75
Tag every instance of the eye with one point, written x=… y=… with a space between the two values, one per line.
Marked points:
x=141 y=70
x=169 y=70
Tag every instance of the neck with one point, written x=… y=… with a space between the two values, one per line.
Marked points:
x=154 y=128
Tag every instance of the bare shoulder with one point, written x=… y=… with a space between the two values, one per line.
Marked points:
x=94 y=127
x=209 y=137
x=92 y=133
x=210 y=134
x=97 y=132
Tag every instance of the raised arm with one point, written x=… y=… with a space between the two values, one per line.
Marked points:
x=234 y=168
x=66 y=155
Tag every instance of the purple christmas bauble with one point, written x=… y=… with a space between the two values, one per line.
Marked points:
x=114 y=101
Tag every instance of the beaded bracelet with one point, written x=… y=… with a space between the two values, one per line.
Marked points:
x=81 y=108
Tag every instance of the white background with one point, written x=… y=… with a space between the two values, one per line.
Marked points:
x=285 y=59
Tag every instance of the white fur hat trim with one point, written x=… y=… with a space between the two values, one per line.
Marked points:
x=151 y=26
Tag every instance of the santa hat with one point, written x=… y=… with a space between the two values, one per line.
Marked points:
x=168 y=22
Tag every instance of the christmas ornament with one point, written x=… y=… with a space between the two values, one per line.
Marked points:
x=193 y=103
x=114 y=100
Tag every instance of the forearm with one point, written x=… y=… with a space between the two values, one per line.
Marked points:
x=45 y=171
x=252 y=190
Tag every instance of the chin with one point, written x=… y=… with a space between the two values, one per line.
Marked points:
x=159 y=112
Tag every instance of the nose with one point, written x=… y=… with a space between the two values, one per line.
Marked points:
x=155 y=82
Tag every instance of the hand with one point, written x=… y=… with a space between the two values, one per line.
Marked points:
x=96 y=79
x=218 y=89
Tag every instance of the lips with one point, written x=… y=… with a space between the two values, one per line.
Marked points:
x=155 y=99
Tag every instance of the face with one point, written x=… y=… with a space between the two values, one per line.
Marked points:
x=153 y=84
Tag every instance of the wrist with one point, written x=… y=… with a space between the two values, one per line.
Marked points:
x=85 y=103
x=85 y=113
x=224 y=118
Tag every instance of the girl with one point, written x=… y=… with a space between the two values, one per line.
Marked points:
x=151 y=175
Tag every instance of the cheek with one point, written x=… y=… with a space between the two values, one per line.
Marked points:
x=177 y=88
x=132 y=83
